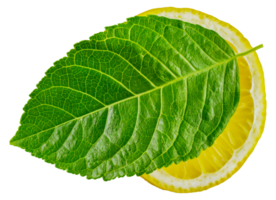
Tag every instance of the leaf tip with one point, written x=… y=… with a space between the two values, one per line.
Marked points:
x=9 y=143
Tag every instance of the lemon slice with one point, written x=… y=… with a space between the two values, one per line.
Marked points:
x=231 y=149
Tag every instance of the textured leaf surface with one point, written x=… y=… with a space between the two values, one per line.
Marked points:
x=137 y=97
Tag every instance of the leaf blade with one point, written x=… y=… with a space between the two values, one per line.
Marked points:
x=113 y=74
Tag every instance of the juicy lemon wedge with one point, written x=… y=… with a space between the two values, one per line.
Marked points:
x=231 y=149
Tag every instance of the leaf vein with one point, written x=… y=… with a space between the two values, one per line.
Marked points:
x=160 y=114
x=197 y=32
x=121 y=58
x=185 y=59
x=43 y=104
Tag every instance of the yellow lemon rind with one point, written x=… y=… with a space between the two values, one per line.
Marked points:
x=241 y=44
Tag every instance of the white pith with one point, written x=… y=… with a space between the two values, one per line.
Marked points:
x=259 y=105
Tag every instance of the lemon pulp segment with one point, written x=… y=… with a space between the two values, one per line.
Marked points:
x=231 y=149
x=232 y=138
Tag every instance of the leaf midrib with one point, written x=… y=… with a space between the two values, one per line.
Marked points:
x=141 y=94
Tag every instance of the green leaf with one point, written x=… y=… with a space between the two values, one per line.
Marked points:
x=137 y=97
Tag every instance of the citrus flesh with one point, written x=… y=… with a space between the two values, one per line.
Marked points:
x=231 y=149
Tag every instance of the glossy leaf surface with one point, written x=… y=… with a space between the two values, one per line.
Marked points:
x=137 y=97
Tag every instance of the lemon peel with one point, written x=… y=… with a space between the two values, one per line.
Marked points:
x=254 y=87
